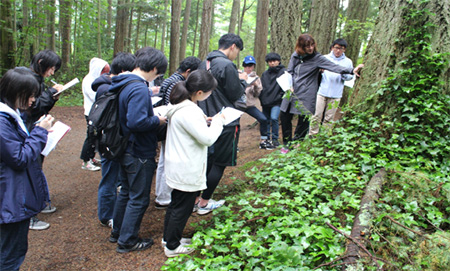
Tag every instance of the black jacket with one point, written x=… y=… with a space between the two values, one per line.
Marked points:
x=229 y=87
x=101 y=85
x=43 y=104
x=271 y=94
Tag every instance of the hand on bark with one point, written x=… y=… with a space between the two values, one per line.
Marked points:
x=356 y=70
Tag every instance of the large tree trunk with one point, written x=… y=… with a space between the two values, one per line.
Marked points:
x=323 y=21
x=196 y=27
x=187 y=15
x=51 y=22
x=285 y=28
x=386 y=48
x=99 y=29
x=234 y=16
x=6 y=36
x=129 y=27
x=65 y=21
x=119 y=39
x=174 y=36
x=205 y=29
x=356 y=17
x=26 y=57
x=261 y=33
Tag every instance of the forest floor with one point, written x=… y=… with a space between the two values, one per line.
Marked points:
x=75 y=239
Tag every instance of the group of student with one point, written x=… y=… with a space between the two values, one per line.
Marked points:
x=198 y=146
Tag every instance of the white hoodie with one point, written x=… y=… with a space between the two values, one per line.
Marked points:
x=96 y=66
x=187 y=142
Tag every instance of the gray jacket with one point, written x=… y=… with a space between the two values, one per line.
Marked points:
x=305 y=73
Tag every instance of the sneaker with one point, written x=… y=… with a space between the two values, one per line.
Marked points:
x=181 y=249
x=266 y=144
x=284 y=150
x=142 y=244
x=36 y=224
x=161 y=206
x=183 y=241
x=195 y=209
x=113 y=238
x=275 y=143
x=90 y=166
x=48 y=209
x=96 y=162
x=212 y=205
x=108 y=223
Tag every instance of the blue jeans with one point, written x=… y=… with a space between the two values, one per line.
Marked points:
x=259 y=116
x=107 y=189
x=13 y=244
x=272 y=113
x=136 y=175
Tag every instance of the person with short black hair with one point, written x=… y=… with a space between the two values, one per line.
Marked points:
x=24 y=190
x=137 y=164
x=272 y=95
x=107 y=188
x=186 y=67
x=331 y=87
x=231 y=86
x=188 y=138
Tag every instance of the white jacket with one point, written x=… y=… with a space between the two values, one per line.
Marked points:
x=96 y=66
x=187 y=142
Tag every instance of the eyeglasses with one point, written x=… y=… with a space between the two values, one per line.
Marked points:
x=339 y=48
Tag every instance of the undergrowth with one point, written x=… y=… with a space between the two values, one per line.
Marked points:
x=276 y=220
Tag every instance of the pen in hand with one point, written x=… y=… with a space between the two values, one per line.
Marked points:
x=54 y=82
x=41 y=119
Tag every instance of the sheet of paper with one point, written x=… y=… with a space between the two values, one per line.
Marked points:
x=156 y=99
x=250 y=80
x=160 y=110
x=285 y=81
x=231 y=114
x=58 y=130
x=68 y=85
x=350 y=83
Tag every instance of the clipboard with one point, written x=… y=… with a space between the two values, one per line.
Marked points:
x=68 y=85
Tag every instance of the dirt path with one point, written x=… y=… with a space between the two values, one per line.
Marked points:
x=75 y=239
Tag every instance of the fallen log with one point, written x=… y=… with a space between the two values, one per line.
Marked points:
x=363 y=220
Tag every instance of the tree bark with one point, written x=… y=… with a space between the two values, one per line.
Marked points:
x=129 y=27
x=99 y=30
x=285 y=27
x=363 y=218
x=109 y=19
x=65 y=21
x=51 y=22
x=382 y=56
x=119 y=40
x=174 y=36
x=196 y=27
x=6 y=36
x=261 y=33
x=26 y=57
x=187 y=15
x=205 y=29
x=356 y=17
x=138 y=29
x=323 y=21
x=163 y=32
x=234 y=16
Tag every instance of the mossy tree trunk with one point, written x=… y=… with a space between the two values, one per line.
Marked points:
x=323 y=22
x=388 y=45
x=261 y=33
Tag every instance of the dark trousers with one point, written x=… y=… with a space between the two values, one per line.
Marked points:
x=213 y=175
x=88 y=150
x=286 y=127
x=136 y=175
x=177 y=215
x=107 y=189
x=13 y=244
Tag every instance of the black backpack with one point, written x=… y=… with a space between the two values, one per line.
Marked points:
x=104 y=125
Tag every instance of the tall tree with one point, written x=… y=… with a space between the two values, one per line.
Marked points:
x=99 y=29
x=174 y=36
x=261 y=33
x=129 y=26
x=65 y=18
x=323 y=21
x=387 y=45
x=119 y=40
x=285 y=27
x=25 y=30
x=109 y=19
x=163 y=32
x=50 y=8
x=6 y=36
x=196 y=27
x=234 y=16
x=138 y=29
x=205 y=29
x=187 y=16
x=356 y=17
